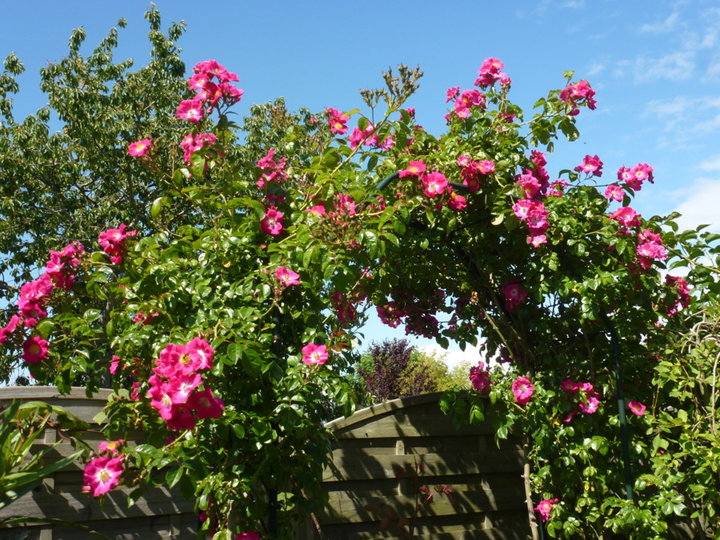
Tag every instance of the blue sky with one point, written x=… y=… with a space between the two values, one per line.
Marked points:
x=654 y=64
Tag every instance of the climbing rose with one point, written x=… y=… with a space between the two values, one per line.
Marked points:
x=637 y=408
x=435 y=183
x=114 y=364
x=590 y=165
x=318 y=210
x=61 y=263
x=11 y=326
x=577 y=93
x=681 y=288
x=489 y=72
x=626 y=216
x=287 y=277
x=191 y=110
x=366 y=136
x=272 y=222
x=201 y=354
x=414 y=168
x=544 y=508
x=214 y=69
x=451 y=93
x=523 y=390
x=102 y=474
x=480 y=377
x=206 y=405
x=33 y=298
x=338 y=121
x=252 y=535
x=112 y=447
x=650 y=247
x=139 y=148
x=467 y=99
x=35 y=350
x=113 y=242
x=457 y=202
x=314 y=354
x=514 y=294
x=614 y=193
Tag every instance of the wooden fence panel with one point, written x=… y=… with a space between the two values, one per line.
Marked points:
x=158 y=514
x=488 y=490
x=487 y=501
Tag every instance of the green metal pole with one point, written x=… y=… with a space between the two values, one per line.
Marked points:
x=624 y=432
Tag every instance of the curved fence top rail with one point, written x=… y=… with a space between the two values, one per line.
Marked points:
x=382 y=408
x=51 y=392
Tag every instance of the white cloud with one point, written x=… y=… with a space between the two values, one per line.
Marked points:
x=686 y=118
x=700 y=204
x=667 y=25
x=710 y=164
x=712 y=71
x=674 y=66
x=574 y=4
x=595 y=69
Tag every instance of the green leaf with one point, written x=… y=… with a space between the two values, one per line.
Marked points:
x=157 y=206
x=173 y=476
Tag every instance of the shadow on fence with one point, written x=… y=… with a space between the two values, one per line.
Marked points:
x=382 y=455
x=371 y=493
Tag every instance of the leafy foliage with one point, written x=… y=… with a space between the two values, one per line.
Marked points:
x=270 y=251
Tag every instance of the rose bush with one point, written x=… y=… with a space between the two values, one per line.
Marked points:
x=229 y=312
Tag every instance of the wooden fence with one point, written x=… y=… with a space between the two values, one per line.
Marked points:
x=157 y=514
x=488 y=491
x=487 y=498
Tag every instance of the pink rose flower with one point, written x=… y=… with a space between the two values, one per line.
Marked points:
x=575 y=94
x=637 y=408
x=191 y=110
x=414 y=168
x=35 y=350
x=206 y=405
x=457 y=202
x=139 y=148
x=201 y=354
x=10 y=328
x=112 y=447
x=314 y=354
x=287 y=277
x=590 y=165
x=544 y=508
x=113 y=242
x=626 y=216
x=489 y=73
x=480 y=377
x=522 y=390
x=614 y=193
x=102 y=474
x=514 y=294
x=318 y=210
x=272 y=223
x=338 y=121
x=435 y=184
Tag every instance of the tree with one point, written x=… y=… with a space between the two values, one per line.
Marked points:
x=394 y=369
x=383 y=366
